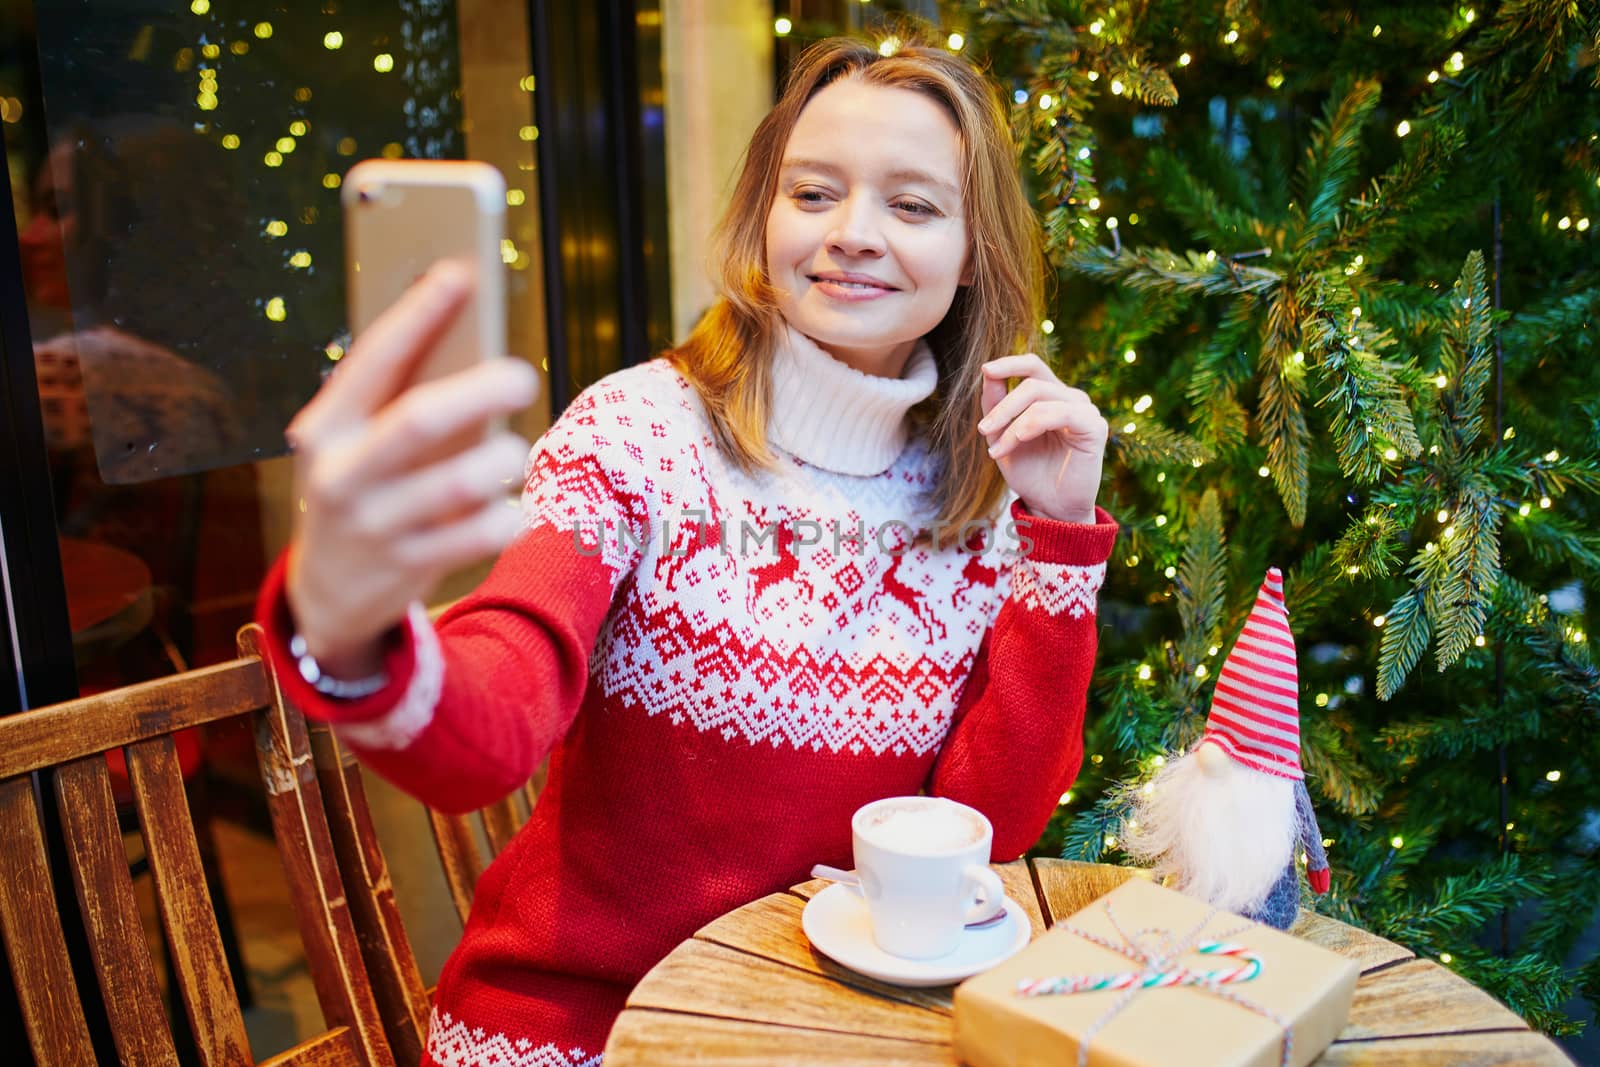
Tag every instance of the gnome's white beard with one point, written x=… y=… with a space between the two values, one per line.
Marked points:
x=1225 y=839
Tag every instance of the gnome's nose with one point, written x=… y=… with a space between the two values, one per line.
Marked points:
x=1213 y=760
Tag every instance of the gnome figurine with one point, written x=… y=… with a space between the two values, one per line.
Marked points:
x=1227 y=819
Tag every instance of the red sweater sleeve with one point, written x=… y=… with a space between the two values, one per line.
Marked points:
x=475 y=702
x=1016 y=741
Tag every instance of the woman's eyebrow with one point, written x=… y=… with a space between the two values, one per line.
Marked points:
x=905 y=174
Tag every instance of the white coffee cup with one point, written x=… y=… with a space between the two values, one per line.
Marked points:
x=922 y=864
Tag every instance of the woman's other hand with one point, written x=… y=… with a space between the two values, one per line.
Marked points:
x=397 y=484
x=1048 y=438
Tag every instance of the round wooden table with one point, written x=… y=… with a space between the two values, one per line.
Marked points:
x=748 y=990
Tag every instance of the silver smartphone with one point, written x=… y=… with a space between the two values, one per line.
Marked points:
x=402 y=216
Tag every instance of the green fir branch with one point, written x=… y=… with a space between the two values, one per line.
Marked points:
x=1533 y=986
x=1472 y=556
x=1329 y=763
x=1572 y=903
x=1310 y=586
x=1407 y=202
x=1152 y=444
x=1145 y=81
x=1558 y=541
x=1468 y=354
x=1085 y=839
x=1562 y=323
x=1406 y=630
x=1566 y=663
x=1333 y=154
x=1201 y=209
x=1370 y=545
x=1457 y=905
x=1288 y=441
x=1203 y=574
x=1163 y=270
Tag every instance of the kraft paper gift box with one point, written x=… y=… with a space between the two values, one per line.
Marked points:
x=1300 y=988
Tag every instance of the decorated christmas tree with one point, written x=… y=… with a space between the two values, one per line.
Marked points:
x=1329 y=271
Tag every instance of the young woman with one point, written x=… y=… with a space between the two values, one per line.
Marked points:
x=751 y=586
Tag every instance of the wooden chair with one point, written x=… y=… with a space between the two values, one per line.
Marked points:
x=61 y=748
x=465 y=845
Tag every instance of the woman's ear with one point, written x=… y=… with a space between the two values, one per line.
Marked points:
x=966 y=271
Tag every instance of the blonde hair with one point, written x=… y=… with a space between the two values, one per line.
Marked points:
x=728 y=355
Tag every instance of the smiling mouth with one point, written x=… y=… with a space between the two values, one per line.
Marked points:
x=863 y=286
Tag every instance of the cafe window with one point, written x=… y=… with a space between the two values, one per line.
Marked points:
x=175 y=170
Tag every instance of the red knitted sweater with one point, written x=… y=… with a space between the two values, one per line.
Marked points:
x=720 y=678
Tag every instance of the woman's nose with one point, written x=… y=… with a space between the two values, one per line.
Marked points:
x=857 y=230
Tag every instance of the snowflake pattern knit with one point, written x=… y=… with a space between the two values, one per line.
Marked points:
x=722 y=668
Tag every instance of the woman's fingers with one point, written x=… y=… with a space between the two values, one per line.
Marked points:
x=1012 y=404
x=441 y=549
x=444 y=491
x=1078 y=419
x=1025 y=365
x=1004 y=408
x=384 y=358
x=427 y=418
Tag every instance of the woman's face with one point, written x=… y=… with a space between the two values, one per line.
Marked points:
x=867 y=234
x=50 y=225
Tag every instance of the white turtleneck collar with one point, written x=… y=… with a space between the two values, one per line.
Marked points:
x=835 y=417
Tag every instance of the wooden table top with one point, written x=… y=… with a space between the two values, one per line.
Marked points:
x=748 y=990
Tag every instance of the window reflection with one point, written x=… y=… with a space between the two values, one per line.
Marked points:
x=133 y=358
x=175 y=169
x=183 y=252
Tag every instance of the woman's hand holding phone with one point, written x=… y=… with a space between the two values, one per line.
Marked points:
x=386 y=508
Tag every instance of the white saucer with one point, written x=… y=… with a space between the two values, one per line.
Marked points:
x=836 y=922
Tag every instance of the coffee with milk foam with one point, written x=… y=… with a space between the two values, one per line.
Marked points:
x=927 y=827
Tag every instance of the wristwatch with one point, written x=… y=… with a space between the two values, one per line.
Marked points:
x=329 y=686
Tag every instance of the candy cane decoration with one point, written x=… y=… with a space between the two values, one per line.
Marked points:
x=1248 y=969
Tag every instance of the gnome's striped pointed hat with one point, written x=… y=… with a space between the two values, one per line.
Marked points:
x=1255 y=710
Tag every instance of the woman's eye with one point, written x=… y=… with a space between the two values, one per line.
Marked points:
x=810 y=196
x=913 y=207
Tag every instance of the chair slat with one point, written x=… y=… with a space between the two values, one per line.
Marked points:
x=459 y=855
x=397 y=982
x=31 y=929
x=336 y=1048
x=110 y=911
x=501 y=820
x=305 y=845
x=191 y=927
x=122 y=716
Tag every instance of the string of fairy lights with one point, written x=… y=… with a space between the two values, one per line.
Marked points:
x=1572 y=222
x=205 y=58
